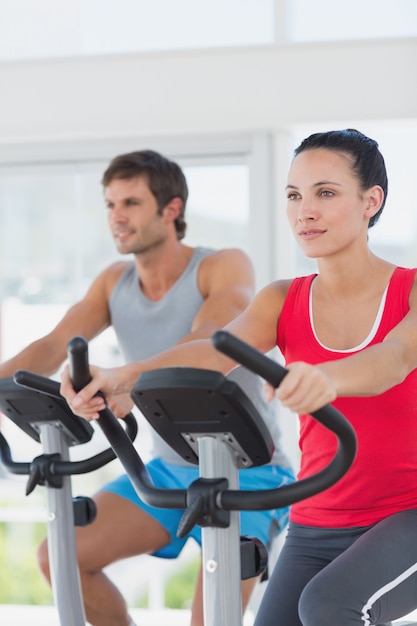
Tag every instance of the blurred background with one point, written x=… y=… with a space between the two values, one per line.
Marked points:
x=227 y=88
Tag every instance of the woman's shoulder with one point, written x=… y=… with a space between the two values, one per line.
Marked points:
x=281 y=287
x=272 y=296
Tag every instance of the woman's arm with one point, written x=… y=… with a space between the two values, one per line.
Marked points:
x=367 y=373
x=256 y=325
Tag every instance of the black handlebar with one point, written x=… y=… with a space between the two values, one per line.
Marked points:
x=228 y=499
x=328 y=416
x=77 y=350
x=242 y=353
x=57 y=466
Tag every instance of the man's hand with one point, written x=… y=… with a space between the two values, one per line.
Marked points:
x=86 y=403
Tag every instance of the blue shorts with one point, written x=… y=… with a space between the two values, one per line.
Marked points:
x=264 y=525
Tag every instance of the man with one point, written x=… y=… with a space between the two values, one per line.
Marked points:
x=169 y=293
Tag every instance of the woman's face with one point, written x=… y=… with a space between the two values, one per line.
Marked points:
x=325 y=205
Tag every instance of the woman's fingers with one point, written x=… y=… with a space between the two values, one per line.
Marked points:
x=305 y=388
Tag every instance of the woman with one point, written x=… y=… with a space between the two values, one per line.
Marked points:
x=349 y=336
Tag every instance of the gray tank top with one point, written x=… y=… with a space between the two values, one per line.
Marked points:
x=145 y=328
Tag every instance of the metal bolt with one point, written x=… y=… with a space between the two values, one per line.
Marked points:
x=211 y=566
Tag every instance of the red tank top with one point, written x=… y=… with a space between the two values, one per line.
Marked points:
x=383 y=477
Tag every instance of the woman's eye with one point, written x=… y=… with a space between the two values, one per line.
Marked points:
x=292 y=196
x=327 y=193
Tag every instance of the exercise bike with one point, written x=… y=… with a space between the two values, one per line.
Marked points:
x=47 y=419
x=209 y=421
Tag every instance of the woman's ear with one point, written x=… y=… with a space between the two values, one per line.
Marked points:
x=375 y=199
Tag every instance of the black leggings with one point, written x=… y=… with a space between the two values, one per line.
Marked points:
x=345 y=577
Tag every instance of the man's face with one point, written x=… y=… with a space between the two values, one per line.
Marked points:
x=133 y=216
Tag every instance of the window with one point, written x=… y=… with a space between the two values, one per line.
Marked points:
x=89 y=27
x=49 y=29
x=326 y=20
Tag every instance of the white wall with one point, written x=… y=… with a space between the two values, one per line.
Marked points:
x=203 y=92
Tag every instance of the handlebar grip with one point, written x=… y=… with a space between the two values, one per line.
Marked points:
x=77 y=350
x=37 y=383
x=252 y=359
x=77 y=430
x=327 y=415
x=274 y=373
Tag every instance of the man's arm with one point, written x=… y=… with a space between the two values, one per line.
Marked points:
x=227 y=283
x=89 y=317
x=256 y=325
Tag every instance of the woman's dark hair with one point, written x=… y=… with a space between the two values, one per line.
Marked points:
x=367 y=161
x=165 y=178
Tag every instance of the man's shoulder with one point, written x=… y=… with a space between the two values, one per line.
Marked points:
x=230 y=260
x=227 y=268
x=117 y=268
x=225 y=255
x=112 y=273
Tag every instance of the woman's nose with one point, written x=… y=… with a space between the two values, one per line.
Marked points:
x=306 y=211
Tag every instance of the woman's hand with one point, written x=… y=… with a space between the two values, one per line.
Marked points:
x=304 y=389
x=86 y=403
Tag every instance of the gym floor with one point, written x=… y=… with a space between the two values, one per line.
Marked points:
x=46 y=616
x=13 y=615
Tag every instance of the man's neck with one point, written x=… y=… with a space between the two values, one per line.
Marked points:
x=161 y=269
